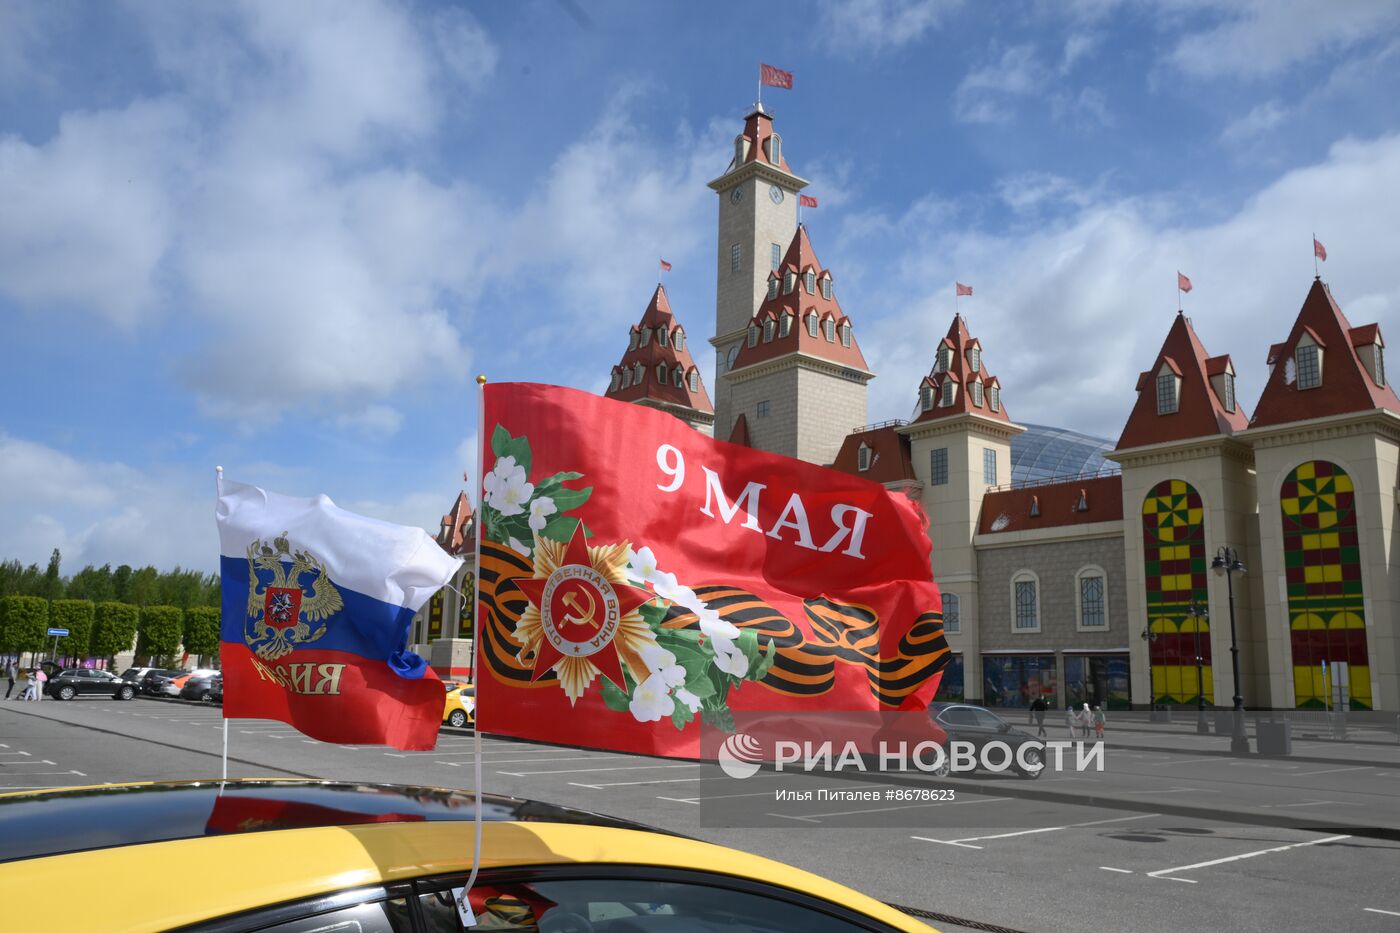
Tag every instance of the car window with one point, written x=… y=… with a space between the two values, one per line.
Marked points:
x=626 y=905
x=987 y=720
x=958 y=716
x=77 y=673
x=391 y=916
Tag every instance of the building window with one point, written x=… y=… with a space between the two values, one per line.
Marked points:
x=989 y=466
x=812 y=323
x=644 y=337
x=950 y=685
x=775 y=149
x=694 y=380
x=777 y=253
x=826 y=287
x=1309 y=367
x=789 y=282
x=863 y=458
x=753 y=335
x=786 y=327
x=637 y=372
x=846 y=334
x=616 y=381
x=952 y=614
x=938 y=466
x=1229 y=399
x=949 y=390
x=679 y=339
x=662 y=336
x=1380 y=365
x=627 y=377
x=730 y=357
x=974 y=359
x=661 y=374
x=763 y=408
x=736 y=257
x=977 y=392
x=678 y=374
x=994 y=397
x=632 y=340
x=1166 y=393
x=773 y=287
x=944 y=360
x=1025 y=602
x=1092 y=612
x=926 y=397
x=768 y=327
x=1017 y=680
x=829 y=328
x=809 y=282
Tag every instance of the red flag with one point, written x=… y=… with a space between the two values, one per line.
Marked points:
x=673 y=605
x=807 y=201
x=774 y=77
x=1182 y=282
x=964 y=289
x=665 y=266
x=1319 y=250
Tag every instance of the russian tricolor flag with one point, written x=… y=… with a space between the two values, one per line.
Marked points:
x=317 y=603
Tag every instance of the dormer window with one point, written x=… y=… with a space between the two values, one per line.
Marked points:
x=944 y=360
x=616 y=381
x=637 y=373
x=846 y=334
x=863 y=458
x=926 y=397
x=773 y=288
x=826 y=287
x=632 y=340
x=679 y=339
x=785 y=327
x=811 y=323
x=1380 y=365
x=950 y=389
x=974 y=359
x=1309 y=365
x=829 y=328
x=1229 y=399
x=789 y=282
x=663 y=337
x=753 y=335
x=694 y=380
x=1168 y=390
x=994 y=397
x=679 y=376
x=627 y=377
x=976 y=389
x=661 y=374
x=741 y=149
x=644 y=337
x=1035 y=506
x=768 y=331
x=809 y=282
x=775 y=149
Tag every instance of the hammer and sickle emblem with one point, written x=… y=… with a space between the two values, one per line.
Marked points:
x=583 y=617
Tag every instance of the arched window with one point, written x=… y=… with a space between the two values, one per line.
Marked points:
x=732 y=356
x=694 y=380
x=1091 y=594
x=1025 y=602
x=812 y=323
x=753 y=335
x=809 y=282
x=775 y=149
x=830 y=330
x=863 y=458
x=785 y=327
x=952 y=614
x=768 y=326
x=846 y=334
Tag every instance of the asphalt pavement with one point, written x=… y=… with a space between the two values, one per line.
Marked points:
x=1168 y=837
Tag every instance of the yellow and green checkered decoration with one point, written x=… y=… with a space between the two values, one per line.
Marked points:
x=1322 y=563
x=1174 y=551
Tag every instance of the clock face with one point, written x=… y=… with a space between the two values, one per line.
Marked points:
x=736 y=195
x=776 y=194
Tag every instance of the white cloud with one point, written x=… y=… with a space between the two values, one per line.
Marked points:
x=986 y=94
x=1261 y=38
x=854 y=26
x=1077 y=46
x=378 y=421
x=1071 y=311
x=1260 y=120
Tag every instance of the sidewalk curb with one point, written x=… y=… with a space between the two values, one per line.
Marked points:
x=1309 y=736
x=1223 y=753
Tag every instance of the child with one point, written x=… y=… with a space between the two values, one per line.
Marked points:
x=1098 y=721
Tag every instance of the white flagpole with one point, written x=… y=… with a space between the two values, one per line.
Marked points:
x=464 y=910
x=223 y=779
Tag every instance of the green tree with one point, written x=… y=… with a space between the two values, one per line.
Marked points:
x=92 y=583
x=53 y=577
x=202 y=630
x=24 y=622
x=114 y=629
x=145 y=587
x=19 y=580
x=121 y=584
x=76 y=615
x=160 y=631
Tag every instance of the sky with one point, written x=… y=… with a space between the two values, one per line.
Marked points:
x=284 y=237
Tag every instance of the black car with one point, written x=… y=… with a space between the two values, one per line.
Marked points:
x=158 y=677
x=978 y=725
x=73 y=683
x=201 y=687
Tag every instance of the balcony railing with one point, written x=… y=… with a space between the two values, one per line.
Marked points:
x=1106 y=470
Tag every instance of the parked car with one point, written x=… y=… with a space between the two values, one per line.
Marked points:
x=460 y=706
x=976 y=724
x=200 y=686
x=81 y=682
x=153 y=681
x=136 y=674
x=216 y=691
x=174 y=686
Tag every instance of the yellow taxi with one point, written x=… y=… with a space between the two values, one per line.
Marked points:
x=303 y=856
x=459 y=708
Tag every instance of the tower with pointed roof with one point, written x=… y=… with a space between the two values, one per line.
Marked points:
x=658 y=371
x=757 y=217
x=797 y=382
x=1188 y=489
x=1326 y=440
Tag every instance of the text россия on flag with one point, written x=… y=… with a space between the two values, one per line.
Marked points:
x=317 y=603
x=639 y=578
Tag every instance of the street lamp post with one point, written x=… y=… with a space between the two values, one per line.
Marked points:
x=1226 y=564
x=1198 y=613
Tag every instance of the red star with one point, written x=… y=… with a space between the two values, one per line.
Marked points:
x=628 y=597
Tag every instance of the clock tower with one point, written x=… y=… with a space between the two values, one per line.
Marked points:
x=757 y=221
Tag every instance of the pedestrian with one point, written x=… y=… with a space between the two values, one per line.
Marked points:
x=10 y=674
x=41 y=679
x=1099 y=720
x=1038 y=709
x=1071 y=720
x=1086 y=720
x=27 y=693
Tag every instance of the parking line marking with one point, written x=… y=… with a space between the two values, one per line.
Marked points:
x=1028 y=832
x=1121 y=871
x=634 y=783
x=25 y=754
x=592 y=770
x=1235 y=858
x=1329 y=771
x=36 y=761
x=1377 y=910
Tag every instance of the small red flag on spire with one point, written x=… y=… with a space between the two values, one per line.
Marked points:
x=963 y=289
x=1182 y=282
x=665 y=266
x=1319 y=250
x=774 y=77
x=807 y=201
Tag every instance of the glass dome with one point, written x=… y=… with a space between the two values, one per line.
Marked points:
x=1043 y=453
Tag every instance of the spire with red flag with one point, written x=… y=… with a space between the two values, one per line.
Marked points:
x=963 y=290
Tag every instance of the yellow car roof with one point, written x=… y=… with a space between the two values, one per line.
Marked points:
x=248 y=863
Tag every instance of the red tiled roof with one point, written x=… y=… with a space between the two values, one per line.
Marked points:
x=457 y=536
x=1346 y=384
x=1365 y=335
x=1276 y=351
x=758 y=128
x=1057 y=503
x=890 y=461
x=740 y=432
x=801 y=257
x=658 y=316
x=960 y=372
x=1219 y=365
x=1200 y=413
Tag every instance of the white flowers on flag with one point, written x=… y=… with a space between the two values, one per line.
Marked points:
x=508 y=489
x=540 y=510
x=651 y=700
